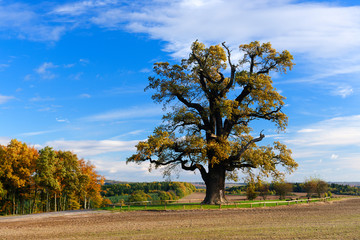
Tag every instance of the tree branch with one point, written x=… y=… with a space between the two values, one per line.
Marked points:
x=232 y=160
x=195 y=106
x=195 y=166
x=266 y=115
x=232 y=69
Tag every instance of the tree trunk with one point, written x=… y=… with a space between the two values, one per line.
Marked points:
x=34 y=203
x=14 y=204
x=215 y=185
x=55 y=207
x=85 y=202
x=47 y=201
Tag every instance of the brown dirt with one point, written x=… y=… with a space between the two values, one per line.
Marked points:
x=199 y=196
x=330 y=220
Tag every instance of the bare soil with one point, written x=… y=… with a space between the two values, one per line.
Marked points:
x=199 y=196
x=330 y=220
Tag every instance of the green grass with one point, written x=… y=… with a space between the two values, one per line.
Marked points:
x=198 y=206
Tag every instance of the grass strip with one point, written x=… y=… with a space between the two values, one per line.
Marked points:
x=199 y=206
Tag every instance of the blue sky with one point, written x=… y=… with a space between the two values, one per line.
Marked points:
x=73 y=73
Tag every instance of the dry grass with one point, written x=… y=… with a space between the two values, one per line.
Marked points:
x=334 y=220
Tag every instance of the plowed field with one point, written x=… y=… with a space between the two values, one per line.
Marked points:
x=330 y=220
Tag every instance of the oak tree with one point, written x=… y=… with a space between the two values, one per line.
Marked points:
x=213 y=103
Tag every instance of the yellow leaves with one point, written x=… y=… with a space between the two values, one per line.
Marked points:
x=264 y=58
x=17 y=161
x=229 y=108
x=214 y=109
x=217 y=150
x=267 y=158
x=285 y=61
x=153 y=145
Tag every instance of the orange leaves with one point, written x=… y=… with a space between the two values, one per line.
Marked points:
x=17 y=162
x=24 y=173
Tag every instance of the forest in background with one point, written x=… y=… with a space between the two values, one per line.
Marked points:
x=147 y=191
x=45 y=180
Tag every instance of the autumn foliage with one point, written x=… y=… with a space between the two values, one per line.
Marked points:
x=45 y=180
x=212 y=102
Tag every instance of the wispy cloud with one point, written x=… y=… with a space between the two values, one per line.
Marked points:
x=343 y=91
x=327 y=148
x=81 y=7
x=319 y=29
x=122 y=114
x=84 y=61
x=20 y=20
x=93 y=147
x=3 y=66
x=4 y=99
x=30 y=134
x=44 y=70
x=318 y=33
x=340 y=131
x=41 y=99
x=62 y=120
x=128 y=134
x=85 y=95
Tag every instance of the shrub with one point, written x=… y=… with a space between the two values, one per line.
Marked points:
x=264 y=190
x=105 y=202
x=139 y=196
x=282 y=189
x=315 y=185
x=251 y=193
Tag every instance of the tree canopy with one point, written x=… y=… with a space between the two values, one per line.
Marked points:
x=45 y=180
x=212 y=102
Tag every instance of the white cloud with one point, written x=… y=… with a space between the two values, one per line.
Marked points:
x=4 y=140
x=318 y=33
x=84 y=95
x=334 y=156
x=132 y=133
x=4 y=99
x=84 y=61
x=340 y=131
x=44 y=70
x=120 y=167
x=308 y=130
x=81 y=7
x=76 y=76
x=62 y=120
x=41 y=99
x=70 y=65
x=343 y=91
x=29 y=134
x=132 y=113
x=318 y=29
x=3 y=66
x=21 y=21
x=93 y=147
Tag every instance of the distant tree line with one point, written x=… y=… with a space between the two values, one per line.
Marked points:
x=334 y=188
x=313 y=187
x=134 y=192
x=45 y=180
